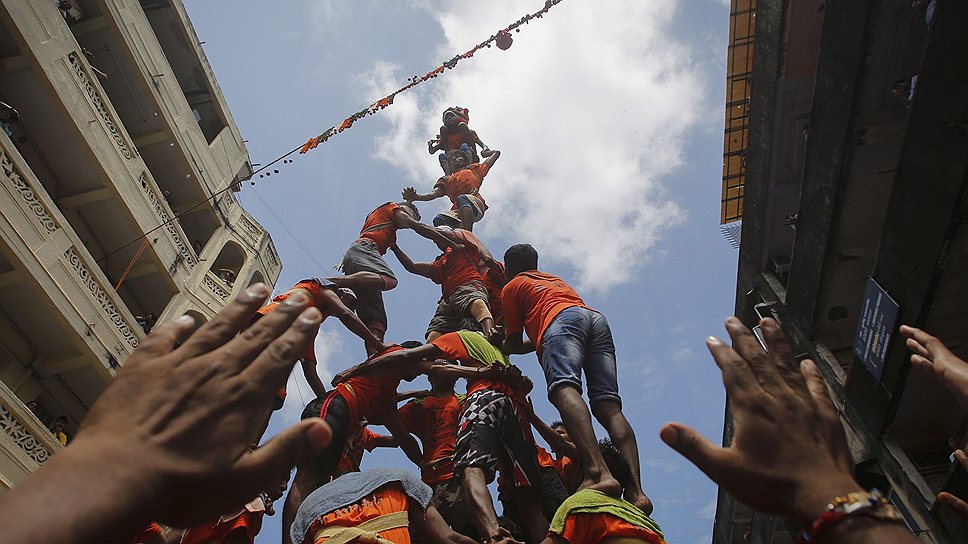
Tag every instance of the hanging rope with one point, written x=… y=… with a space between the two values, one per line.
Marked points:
x=134 y=259
x=502 y=39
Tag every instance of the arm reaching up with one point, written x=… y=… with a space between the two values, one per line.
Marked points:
x=796 y=477
x=421 y=269
x=404 y=221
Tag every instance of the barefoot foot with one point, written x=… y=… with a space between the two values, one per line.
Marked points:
x=608 y=486
x=641 y=500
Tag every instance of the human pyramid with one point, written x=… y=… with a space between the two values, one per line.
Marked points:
x=465 y=440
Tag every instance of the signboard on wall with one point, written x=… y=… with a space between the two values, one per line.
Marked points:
x=875 y=328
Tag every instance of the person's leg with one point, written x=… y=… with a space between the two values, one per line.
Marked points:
x=306 y=481
x=529 y=508
x=553 y=492
x=466 y=217
x=562 y=355
x=445 y=320
x=360 y=280
x=474 y=484
x=578 y=420
x=601 y=373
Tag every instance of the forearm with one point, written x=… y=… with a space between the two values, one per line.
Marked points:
x=517 y=346
x=558 y=444
x=110 y=498
x=864 y=529
x=407 y=395
x=352 y=322
x=312 y=377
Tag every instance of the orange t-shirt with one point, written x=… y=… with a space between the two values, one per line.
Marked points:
x=456 y=137
x=465 y=182
x=387 y=499
x=454 y=269
x=531 y=301
x=494 y=281
x=434 y=420
x=381 y=226
x=567 y=468
x=315 y=290
x=370 y=396
x=592 y=528
x=455 y=350
x=544 y=458
x=353 y=454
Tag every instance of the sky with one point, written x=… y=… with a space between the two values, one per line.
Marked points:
x=609 y=117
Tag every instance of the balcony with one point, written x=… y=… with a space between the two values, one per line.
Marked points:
x=25 y=443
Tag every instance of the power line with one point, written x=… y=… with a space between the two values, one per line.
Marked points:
x=283 y=224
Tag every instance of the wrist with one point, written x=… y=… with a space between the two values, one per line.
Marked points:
x=813 y=501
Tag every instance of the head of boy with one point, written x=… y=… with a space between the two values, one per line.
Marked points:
x=58 y=424
x=458 y=160
x=441 y=381
x=411 y=209
x=559 y=427
x=519 y=258
x=441 y=245
x=454 y=116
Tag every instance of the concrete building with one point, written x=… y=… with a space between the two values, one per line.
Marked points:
x=853 y=222
x=112 y=126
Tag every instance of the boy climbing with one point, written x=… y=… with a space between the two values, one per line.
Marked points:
x=460 y=274
x=454 y=134
x=462 y=187
x=571 y=338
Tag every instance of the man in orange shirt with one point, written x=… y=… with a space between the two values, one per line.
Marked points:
x=460 y=274
x=364 y=268
x=462 y=187
x=371 y=396
x=365 y=440
x=571 y=338
x=433 y=418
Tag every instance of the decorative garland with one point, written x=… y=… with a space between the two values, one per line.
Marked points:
x=502 y=39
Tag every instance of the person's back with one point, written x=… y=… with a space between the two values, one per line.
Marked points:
x=380 y=226
x=536 y=298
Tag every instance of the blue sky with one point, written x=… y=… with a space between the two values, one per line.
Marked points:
x=609 y=117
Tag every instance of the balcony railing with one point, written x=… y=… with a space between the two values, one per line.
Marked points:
x=24 y=439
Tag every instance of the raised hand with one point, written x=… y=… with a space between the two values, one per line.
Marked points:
x=409 y=194
x=789 y=454
x=932 y=356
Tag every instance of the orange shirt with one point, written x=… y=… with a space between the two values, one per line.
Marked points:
x=544 y=458
x=454 y=349
x=387 y=499
x=592 y=528
x=494 y=281
x=434 y=420
x=567 y=468
x=455 y=137
x=381 y=226
x=532 y=300
x=370 y=396
x=454 y=269
x=315 y=290
x=353 y=454
x=465 y=182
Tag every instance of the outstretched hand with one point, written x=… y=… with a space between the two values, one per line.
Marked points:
x=789 y=454
x=932 y=356
x=183 y=416
x=409 y=194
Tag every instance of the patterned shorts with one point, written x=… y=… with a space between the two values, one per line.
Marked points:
x=490 y=438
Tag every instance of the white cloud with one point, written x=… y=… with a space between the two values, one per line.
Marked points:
x=709 y=510
x=591 y=108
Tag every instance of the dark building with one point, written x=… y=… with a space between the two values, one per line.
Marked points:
x=852 y=181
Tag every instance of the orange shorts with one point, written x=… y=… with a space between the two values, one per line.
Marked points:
x=594 y=528
x=250 y=522
x=387 y=499
x=147 y=534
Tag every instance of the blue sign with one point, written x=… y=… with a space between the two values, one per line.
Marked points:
x=875 y=328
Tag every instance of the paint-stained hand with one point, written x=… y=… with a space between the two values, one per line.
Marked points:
x=181 y=417
x=789 y=454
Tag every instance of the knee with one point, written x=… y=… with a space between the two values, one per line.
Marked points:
x=389 y=282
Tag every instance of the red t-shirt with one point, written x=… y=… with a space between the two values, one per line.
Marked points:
x=531 y=301
x=381 y=226
x=453 y=269
x=434 y=421
x=370 y=396
x=465 y=182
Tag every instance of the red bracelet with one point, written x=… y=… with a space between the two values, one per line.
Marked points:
x=868 y=504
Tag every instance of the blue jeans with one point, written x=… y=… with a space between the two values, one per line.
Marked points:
x=578 y=339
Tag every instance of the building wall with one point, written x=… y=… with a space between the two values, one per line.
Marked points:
x=852 y=177
x=120 y=130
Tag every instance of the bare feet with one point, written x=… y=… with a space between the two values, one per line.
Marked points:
x=608 y=486
x=641 y=500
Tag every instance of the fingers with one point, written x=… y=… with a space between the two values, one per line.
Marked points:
x=817 y=388
x=923 y=364
x=270 y=463
x=928 y=344
x=748 y=347
x=959 y=506
x=251 y=342
x=917 y=348
x=227 y=323
x=781 y=355
x=708 y=457
x=272 y=366
x=162 y=339
x=738 y=377
x=962 y=459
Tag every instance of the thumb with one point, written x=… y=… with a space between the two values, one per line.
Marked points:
x=268 y=464
x=695 y=447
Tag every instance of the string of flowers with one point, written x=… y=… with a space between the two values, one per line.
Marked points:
x=502 y=39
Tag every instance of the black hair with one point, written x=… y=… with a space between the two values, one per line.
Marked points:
x=557 y=423
x=410 y=344
x=616 y=462
x=412 y=207
x=520 y=258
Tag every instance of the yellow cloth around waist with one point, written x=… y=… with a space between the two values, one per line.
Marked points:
x=366 y=532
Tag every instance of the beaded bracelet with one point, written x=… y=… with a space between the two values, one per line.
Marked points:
x=860 y=503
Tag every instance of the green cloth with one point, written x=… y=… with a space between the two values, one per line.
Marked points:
x=481 y=350
x=591 y=501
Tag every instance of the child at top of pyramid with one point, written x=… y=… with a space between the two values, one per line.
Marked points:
x=454 y=134
x=462 y=187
